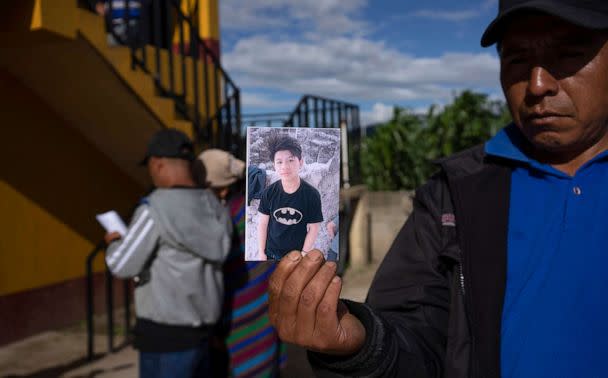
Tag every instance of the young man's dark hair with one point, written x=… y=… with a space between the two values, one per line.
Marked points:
x=284 y=143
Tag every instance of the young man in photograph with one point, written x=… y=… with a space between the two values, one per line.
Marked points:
x=290 y=209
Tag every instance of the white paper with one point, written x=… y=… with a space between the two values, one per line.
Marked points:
x=111 y=221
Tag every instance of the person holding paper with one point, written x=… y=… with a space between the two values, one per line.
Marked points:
x=112 y=222
x=175 y=246
x=290 y=209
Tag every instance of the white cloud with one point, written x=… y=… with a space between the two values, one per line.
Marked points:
x=380 y=112
x=322 y=47
x=334 y=16
x=446 y=15
x=247 y=18
x=357 y=69
x=455 y=15
x=264 y=101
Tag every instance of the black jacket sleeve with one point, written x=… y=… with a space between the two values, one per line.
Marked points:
x=406 y=314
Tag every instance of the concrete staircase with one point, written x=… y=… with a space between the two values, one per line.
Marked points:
x=92 y=28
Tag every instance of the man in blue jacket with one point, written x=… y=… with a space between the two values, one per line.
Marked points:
x=500 y=269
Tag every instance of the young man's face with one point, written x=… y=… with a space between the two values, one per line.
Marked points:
x=287 y=165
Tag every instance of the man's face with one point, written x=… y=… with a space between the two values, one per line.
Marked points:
x=555 y=80
x=287 y=165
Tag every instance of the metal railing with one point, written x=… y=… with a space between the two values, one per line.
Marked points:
x=167 y=45
x=275 y=119
x=317 y=111
x=228 y=121
x=109 y=297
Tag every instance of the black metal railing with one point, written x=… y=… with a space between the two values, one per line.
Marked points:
x=276 y=119
x=167 y=45
x=225 y=126
x=109 y=297
x=317 y=111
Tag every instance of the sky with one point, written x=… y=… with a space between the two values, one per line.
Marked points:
x=377 y=54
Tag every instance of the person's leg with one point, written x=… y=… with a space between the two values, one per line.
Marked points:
x=181 y=364
x=203 y=368
x=149 y=365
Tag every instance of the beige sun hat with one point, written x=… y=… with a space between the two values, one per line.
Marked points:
x=223 y=169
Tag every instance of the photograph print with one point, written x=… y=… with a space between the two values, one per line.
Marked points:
x=293 y=183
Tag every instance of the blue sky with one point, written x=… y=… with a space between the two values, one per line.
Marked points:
x=376 y=54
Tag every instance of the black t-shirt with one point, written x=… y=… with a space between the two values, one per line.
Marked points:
x=289 y=215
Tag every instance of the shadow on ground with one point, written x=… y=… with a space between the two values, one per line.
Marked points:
x=60 y=370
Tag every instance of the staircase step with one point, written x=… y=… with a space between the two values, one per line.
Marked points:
x=185 y=126
x=92 y=27
x=178 y=81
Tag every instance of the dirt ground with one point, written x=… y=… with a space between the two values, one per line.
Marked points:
x=62 y=353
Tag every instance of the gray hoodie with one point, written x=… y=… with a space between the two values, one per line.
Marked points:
x=179 y=239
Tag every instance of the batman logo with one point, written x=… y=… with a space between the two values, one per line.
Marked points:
x=287 y=216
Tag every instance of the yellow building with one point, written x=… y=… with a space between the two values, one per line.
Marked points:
x=76 y=118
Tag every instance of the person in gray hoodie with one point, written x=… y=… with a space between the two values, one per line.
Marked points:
x=174 y=247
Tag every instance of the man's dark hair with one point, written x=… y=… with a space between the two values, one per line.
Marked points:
x=284 y=143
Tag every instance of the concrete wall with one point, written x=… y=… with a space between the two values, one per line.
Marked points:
x=52 y=183
x=378 y=218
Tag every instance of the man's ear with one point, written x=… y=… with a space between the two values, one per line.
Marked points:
x=155 y=163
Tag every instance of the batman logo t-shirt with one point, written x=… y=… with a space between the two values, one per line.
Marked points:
x=289 y=215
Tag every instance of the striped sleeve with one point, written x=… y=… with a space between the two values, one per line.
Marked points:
x=127 y=256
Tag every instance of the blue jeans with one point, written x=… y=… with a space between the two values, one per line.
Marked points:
x=189 y=363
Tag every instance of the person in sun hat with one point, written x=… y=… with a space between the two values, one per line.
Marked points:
x=174 y=247
x=222 y=170
x=250 y=345
x=500 y=271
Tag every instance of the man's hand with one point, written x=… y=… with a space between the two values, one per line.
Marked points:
x=304 y=306
x=111 y=236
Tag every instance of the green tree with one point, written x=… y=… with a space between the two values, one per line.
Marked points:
x=400 y=154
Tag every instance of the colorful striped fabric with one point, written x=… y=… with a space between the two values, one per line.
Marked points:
x=253 y=345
